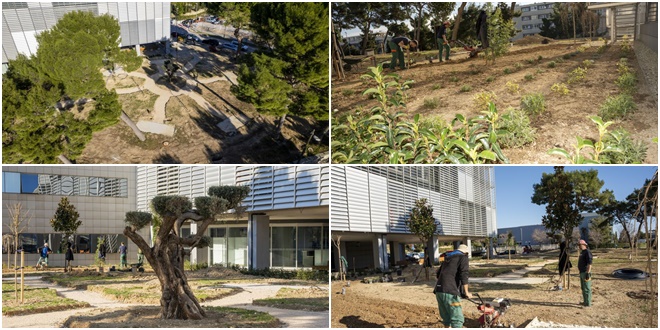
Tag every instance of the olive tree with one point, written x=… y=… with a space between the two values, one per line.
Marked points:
x=167 y=254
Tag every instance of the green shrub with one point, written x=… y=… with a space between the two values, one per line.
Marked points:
x=533 y=104
x=566 y=56
x=622 y=66
x=481 y=100
x=195 y=266
x=588 y=63
x=632 y=152
x=436 y=87
x=552 y=64
x=490 y=79
x=507 y=71
x=347 y=92
x=431 y=103
x=531 y=61
x=516 y=128
x=577 y=75
x=518 y=66
x=529 y=77
x=539 y=58
x=627 y=82
x=466 y=88
x=512 y=87
x=581 y=49
x=626 y=46
x=616 y=107
x=453 y=79
x=559 y=60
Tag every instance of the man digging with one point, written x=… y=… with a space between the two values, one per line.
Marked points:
x=451 y=285
x=397 y=45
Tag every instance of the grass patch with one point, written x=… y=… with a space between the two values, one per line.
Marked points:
x=299 y=299
x=136 y=104
x=616 y=107
x=453 y=79
x=507 y=71
x=552 y=64
x=490 y=79
x=436 y=87
x=465 y=88
x=37 y=300
x=533 y=104
x=529 y=77
x=431 y=103
x=347 y=92
x=246 y=318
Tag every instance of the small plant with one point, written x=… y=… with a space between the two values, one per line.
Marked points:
x=566 y=56
x=632 y=152
x=588 y=63
x=512 y=87
x=507 y=71
x=622 y=66
x=560 y=88
x=533 y=104
x=347 y=92
x=531 y=61
x=516 y=129
x=490 y=79
x=616 y=107
x=529 y=77
x=539 y=71
x=577 y=75
x=436 y=87
x=560 y=60
x=453 y=79
x=626 y=46
x=481 y=100
x=552 y=64
x=518 y=66
x=431 y=103
x=540 y=58
x=627 y=82
x=597 y=148
x=581 y=49
x=466 y=88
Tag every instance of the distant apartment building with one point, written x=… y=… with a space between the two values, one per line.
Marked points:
x=140 y=23
x=530 y=21
x=370 y=205
x=524 y=235
x=285 y=223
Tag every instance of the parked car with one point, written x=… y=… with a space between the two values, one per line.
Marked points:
x=187 y=22
x=211 y=42
x=235 y=43
x=230 y=46
x=193 y=38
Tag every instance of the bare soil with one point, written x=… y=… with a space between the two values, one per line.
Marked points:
x=565 y=116
x=147 y=317
x=616 y=303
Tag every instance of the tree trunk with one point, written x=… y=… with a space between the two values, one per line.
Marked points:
x=132 y=125
x=459 y=15
x=281 y=124
x=513 y=9
x=574 y=34
x=365 y=37
x=237 y=35
x=15 y=273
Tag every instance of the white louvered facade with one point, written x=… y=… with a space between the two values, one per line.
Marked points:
x=140 y=22
x=377 y=199
x=272 y=187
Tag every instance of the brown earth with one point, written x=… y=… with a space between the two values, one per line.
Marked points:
x=565 y=116
x=147 y=317
x=616 y=302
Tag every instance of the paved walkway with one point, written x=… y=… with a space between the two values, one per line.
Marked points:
x=516 y=276
x=164 y=94
x=292 y=318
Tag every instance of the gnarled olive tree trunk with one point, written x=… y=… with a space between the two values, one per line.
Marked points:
x=167 y=255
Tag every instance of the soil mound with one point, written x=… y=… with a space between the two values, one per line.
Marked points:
x=533 y=40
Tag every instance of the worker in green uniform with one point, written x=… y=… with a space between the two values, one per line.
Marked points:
x=584 y=266
x=443 y=43
x=397 y=45
x=452 y=279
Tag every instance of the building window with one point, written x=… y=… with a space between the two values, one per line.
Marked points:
x=538 y=26
x=53 y=184
x=81 y=243
x=283 y=247
x=524 y=9
x=652 y=12
x=528 y=34
x=527 y=27
x=237 y=246
x=542 y=7
x=300 y=246
x=542 y=16
x=526 y=18
x=218 y=248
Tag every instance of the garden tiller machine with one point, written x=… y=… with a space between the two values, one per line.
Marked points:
x=473 y=50
x=491 y=311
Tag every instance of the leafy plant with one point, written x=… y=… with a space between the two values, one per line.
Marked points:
x=560 y=60
x=481 y=100
x=632 y=152
x=627 y=82
x=383 y=135
x=588 y=63
x=490 y=79
x=453 y=79
x=347 y=92
x=466 y=88
x=566 y=56
x=533 y=104
x=531 y=61
x=577 y=75
x=560 y=88
x=512 y=87
x=626 y=45
x=616 y=107
x=518 y=66
x=436 y=86
x=593 y=149
x=529 y=77
x=622 y=66
x=581 y=49
x=540 y=58
x=516 y=128
x=507 y=71
x=552 y=64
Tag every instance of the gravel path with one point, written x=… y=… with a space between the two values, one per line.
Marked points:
x=292 y=318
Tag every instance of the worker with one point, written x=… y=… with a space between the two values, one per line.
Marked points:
x=452 y=284
x=482 y=29
x=584 y=266
x=397 y=45
x=443 y=43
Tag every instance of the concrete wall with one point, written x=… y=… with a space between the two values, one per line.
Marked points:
x=648 y=35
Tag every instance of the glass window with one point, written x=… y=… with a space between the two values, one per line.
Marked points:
x=237 y=246
x=66 y=183
x=525 y=9
x=283 y=242
x=185 y=232
x=218 y=248
x=309 y=246
x=29 y=183
x=11 y=182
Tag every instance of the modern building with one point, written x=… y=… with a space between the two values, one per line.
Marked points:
x=639 y=20
x=524 y=234
x=285 y=223
x=530 y=21
x=370 y=205
x=140 y=22
x=101 y=194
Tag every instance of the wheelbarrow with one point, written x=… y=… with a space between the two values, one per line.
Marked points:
x=350 y=62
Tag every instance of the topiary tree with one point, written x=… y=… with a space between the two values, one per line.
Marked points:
x=167 y=254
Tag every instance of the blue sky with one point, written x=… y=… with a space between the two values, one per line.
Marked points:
x=513 y=189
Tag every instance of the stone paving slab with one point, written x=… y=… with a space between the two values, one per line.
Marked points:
x=151 y=127
x=230 y=124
